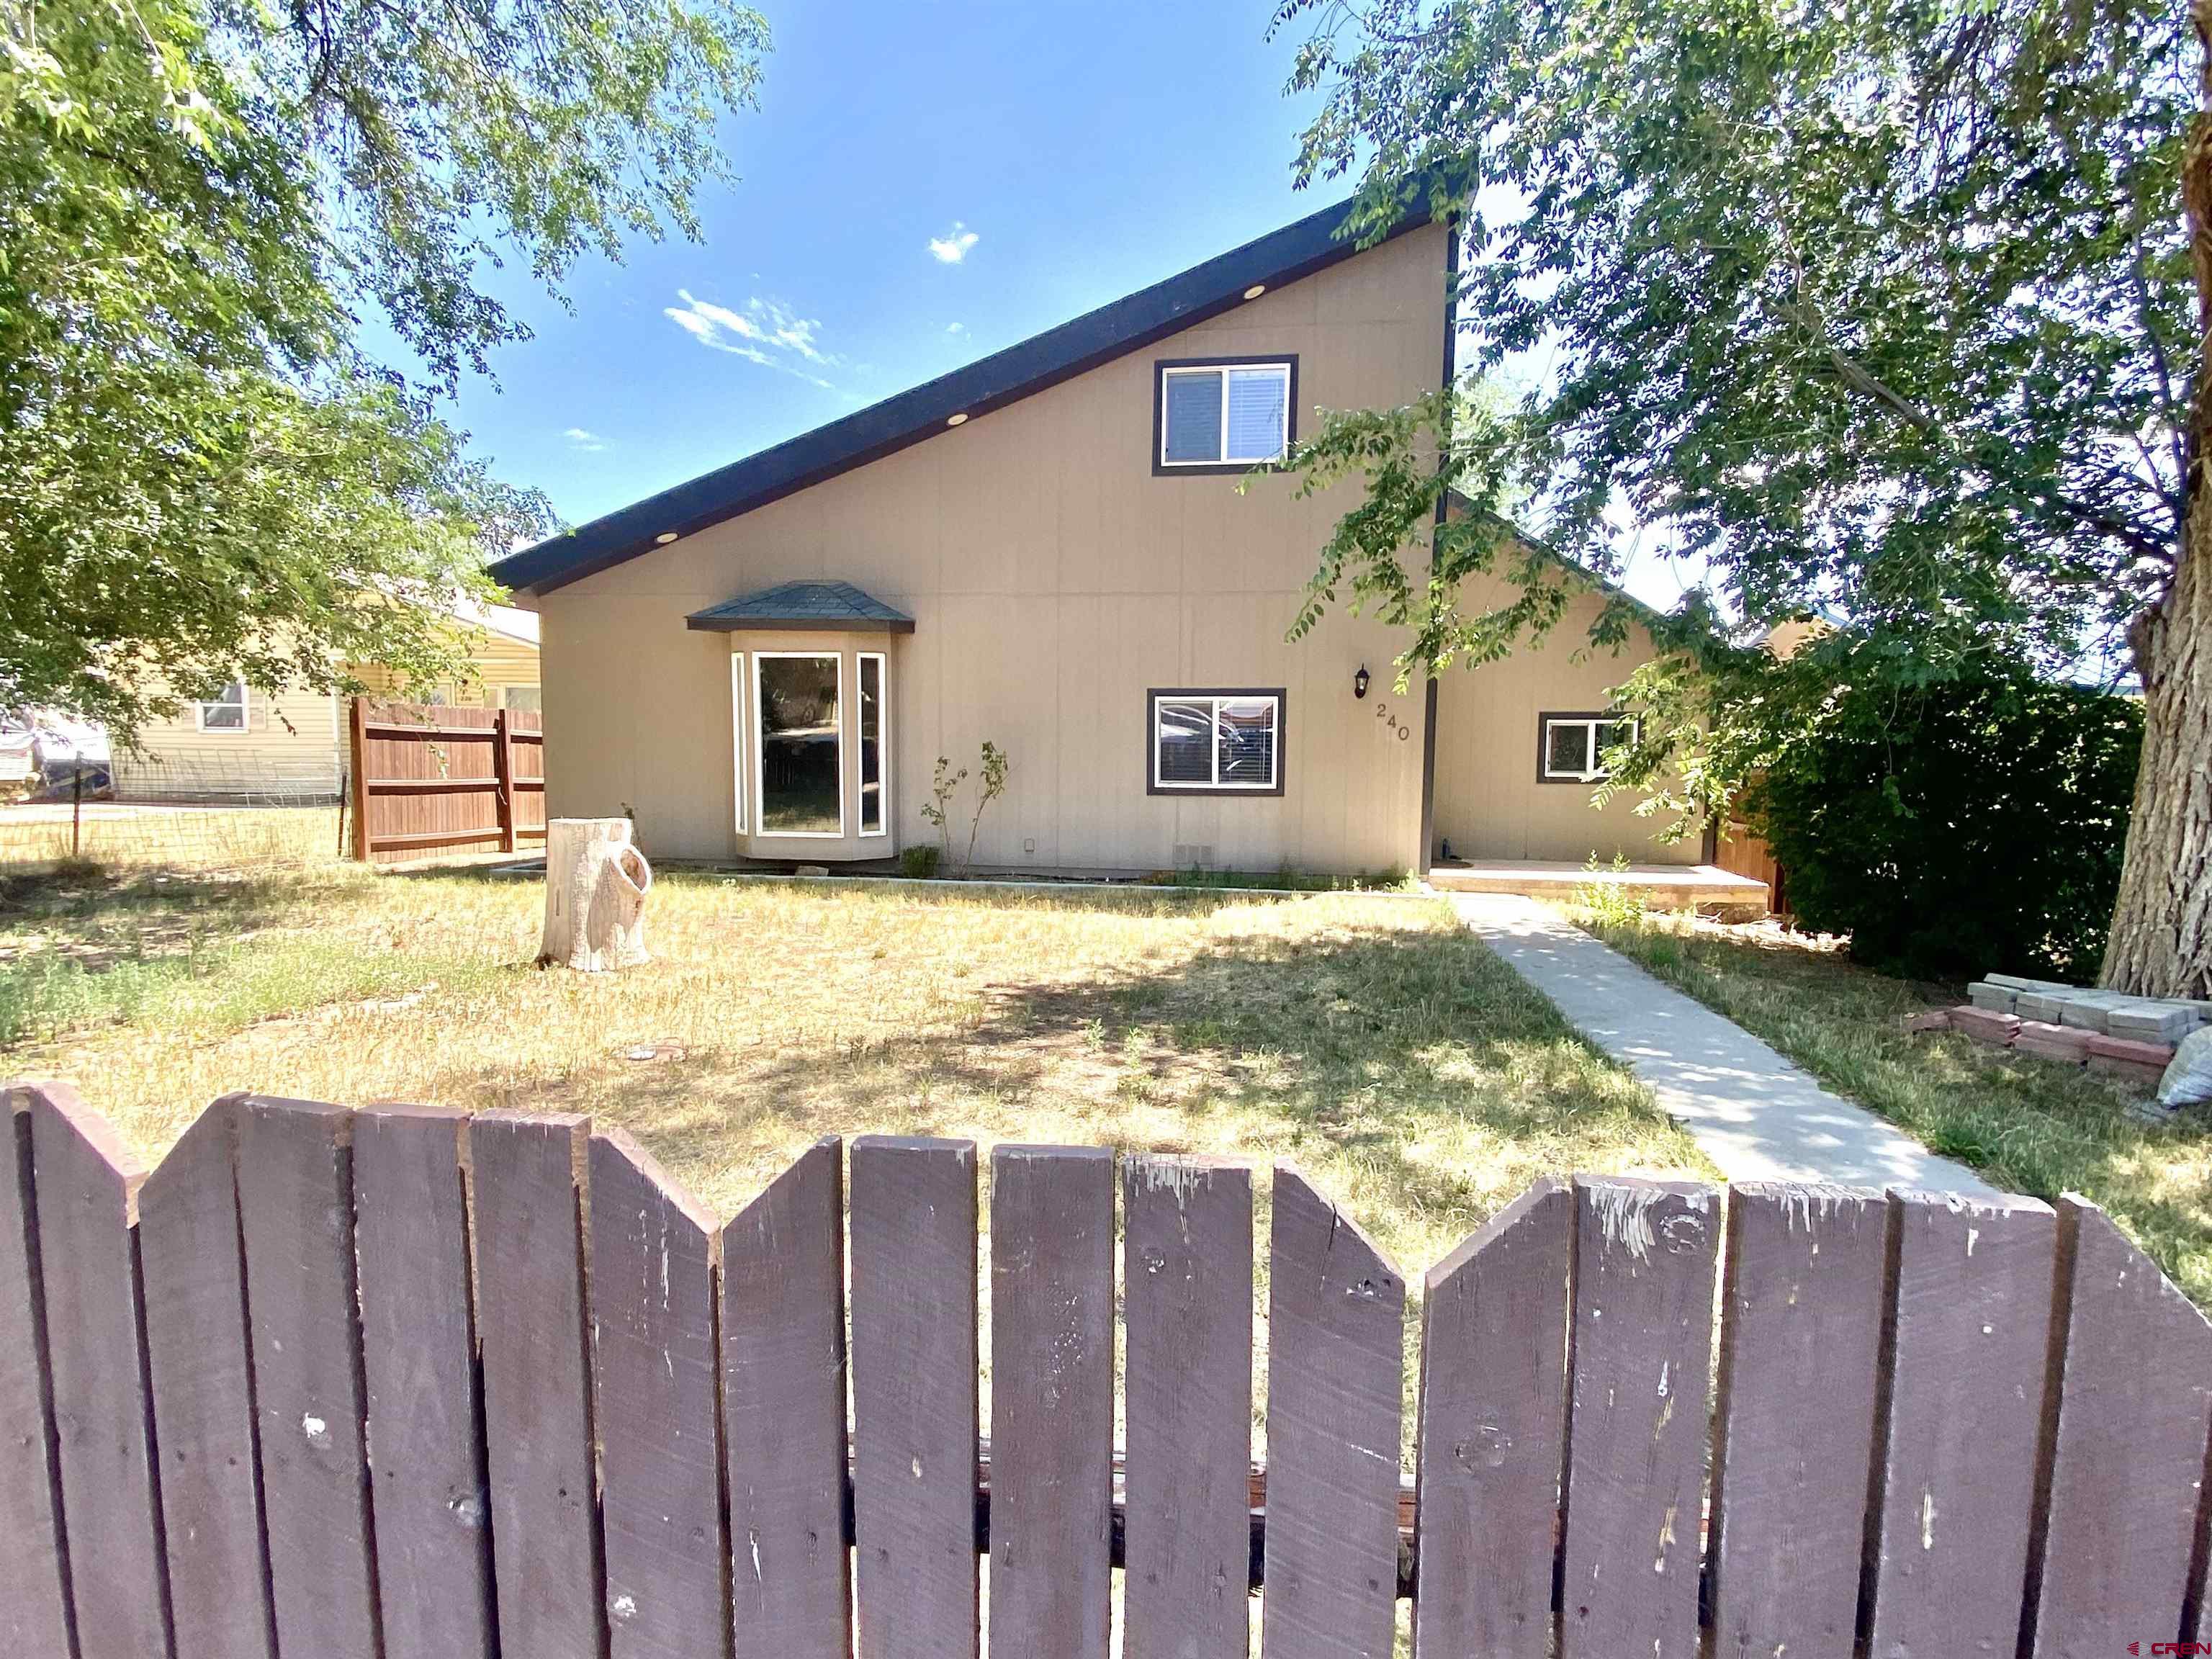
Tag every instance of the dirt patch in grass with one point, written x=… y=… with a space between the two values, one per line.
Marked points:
x=2029 y=1125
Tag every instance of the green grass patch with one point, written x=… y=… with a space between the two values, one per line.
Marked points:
x=2028 y=1125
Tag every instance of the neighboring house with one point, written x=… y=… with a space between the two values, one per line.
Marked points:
x=247 y=744
x=1049 y=549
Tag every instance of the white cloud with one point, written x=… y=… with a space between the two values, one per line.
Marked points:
x=955 y=328
x=762 y=333
x=787 y=329
x=952 y=248
x=579 y=439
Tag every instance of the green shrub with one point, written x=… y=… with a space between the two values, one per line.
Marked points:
x=918 y=862
x=1609 y=904
x=1965 y=827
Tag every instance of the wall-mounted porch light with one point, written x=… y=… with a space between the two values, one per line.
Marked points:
x=1360 y=681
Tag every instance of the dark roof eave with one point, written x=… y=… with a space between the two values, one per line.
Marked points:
x=706 y=622
x=1034 y=365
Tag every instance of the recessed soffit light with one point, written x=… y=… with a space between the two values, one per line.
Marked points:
x=1256 y=290
x=961 y=419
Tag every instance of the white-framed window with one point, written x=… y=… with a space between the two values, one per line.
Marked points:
x=1231 y=414
x=737 y=735
x=523 y=699
x=225 y=712
x=1571 y=748
x=1215 y=742
x=799 y=756
x=873 y=669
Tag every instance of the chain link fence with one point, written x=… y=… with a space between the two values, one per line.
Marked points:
x=214 y=813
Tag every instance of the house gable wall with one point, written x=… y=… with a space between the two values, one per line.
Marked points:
x=1054 y=580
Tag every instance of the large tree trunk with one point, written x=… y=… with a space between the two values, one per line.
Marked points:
x=2161 y=943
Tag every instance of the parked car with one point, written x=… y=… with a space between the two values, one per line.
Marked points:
x=51 y=751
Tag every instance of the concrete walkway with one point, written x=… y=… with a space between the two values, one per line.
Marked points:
x=1756 y=1115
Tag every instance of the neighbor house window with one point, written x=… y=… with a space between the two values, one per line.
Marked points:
x=226 y=711
x=1571 y=748
x=872 y=742
x=1231 y=414
x=1216 y=743
x=523 y=699
x=798 y=712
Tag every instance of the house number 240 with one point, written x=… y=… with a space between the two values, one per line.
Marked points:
x=1391 y=722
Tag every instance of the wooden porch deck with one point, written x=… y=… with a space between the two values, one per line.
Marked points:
x=1664 y=886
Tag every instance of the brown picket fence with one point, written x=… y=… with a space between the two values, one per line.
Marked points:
x=404 y=1382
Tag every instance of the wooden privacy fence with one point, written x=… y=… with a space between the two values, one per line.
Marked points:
x=426 y=777
x=408 y=1383
x=1739 y=851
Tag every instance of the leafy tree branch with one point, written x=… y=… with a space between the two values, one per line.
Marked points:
x=201 y=475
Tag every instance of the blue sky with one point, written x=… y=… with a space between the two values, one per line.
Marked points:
x=922 y=185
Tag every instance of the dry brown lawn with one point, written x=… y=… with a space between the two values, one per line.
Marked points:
x=1369 y=1038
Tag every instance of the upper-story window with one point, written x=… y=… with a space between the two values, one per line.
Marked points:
x=1225 y=414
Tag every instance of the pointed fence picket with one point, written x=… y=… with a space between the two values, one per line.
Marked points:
x=403 y=1382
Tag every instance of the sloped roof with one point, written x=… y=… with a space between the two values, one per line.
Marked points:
x=519 y=625
x=1460 y=506
x=831 y=607
x=1042 y=361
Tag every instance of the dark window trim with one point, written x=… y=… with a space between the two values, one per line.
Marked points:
x=1154 y=697
x=1216 y=469
x=1544 y=738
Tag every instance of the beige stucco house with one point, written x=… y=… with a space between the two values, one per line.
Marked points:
x=1050 y=550
x=290 y=746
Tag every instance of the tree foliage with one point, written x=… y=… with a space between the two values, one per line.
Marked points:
x=200 y=474
x=1881 y=310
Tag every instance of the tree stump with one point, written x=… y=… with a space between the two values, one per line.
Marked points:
x=596 y=883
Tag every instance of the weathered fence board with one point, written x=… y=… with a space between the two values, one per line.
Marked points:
x=34 y=1612
x=533 y=1327
x=1187 y=1296
x=197 y=1345
x=1642 y=1341
x=655 y=1371
x=783 y=1408
x=296 y=1215
x=418 y=1343
x=1800 y=1344
x=408 y=1383
x=2129 y=1459
x=88 y=1192
x=915 y=1396
x=1052 y=1400
x=1972 y=1318
x=1492 y=1432
x=1336 y=1314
